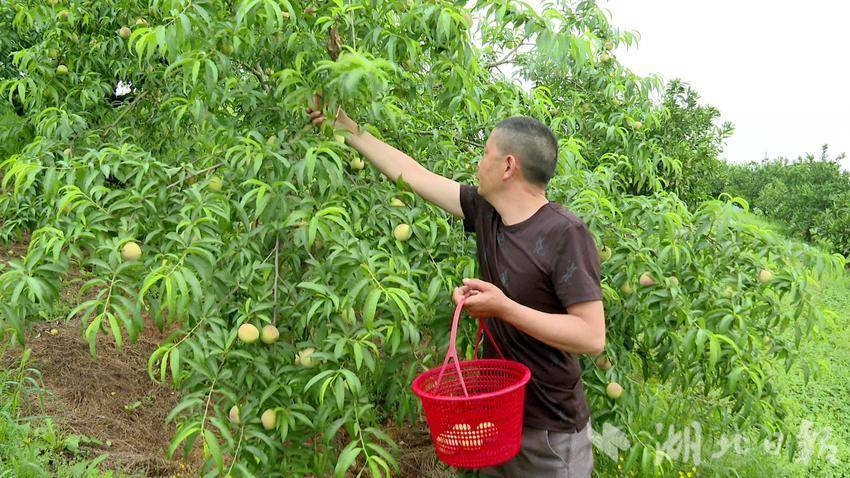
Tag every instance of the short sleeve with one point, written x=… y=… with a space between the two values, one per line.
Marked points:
x=575 y=267
x=470 y=204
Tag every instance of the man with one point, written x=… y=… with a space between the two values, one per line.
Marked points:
x=539 y=289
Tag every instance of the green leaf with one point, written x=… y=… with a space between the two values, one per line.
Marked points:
x=317 y=378
x=733 y=378
x=369 y=307
x=212 y=447
x=357 y=349
x=183 y=405
x=91 y=333
x=188 y=430
x=339 y=393
x=116 y=330
x=174 y=359
x=714 y=352
x=346 y=459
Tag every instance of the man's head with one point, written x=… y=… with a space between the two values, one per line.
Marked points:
x=520 y=152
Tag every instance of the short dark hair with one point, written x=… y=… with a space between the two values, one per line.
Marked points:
x=534 y=145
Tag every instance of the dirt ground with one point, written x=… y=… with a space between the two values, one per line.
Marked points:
x=109 y=398
x=417 y=457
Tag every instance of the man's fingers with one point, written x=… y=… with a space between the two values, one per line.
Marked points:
x=475 y=284
x=316 y=117
x=457 y=295
x=471 y=304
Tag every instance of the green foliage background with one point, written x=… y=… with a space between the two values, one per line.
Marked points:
x=809 y=195
x=297 y=239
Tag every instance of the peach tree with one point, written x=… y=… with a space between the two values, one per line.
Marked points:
x=162 y=151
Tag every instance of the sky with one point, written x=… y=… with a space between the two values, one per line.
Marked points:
x=778 y=70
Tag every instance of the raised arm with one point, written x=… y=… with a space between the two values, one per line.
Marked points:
x=438 y=190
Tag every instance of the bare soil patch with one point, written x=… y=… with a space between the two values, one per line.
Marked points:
x=109 y=398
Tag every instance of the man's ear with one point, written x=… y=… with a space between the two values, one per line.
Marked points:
x=511 y=167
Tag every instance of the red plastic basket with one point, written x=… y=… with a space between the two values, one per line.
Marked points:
x=474 y=411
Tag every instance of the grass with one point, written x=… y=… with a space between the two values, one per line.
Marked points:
x=33 y=447
x=823 y=400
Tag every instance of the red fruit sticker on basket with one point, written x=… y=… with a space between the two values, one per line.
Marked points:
x=487 y=431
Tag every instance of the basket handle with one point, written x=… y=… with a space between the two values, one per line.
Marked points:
x=483 y=327
x=451 y=353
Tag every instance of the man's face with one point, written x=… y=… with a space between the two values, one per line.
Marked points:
x=491 y=166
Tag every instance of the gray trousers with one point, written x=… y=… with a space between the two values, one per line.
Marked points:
x=548 y=454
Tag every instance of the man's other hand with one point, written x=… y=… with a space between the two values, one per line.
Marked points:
x=483 y=299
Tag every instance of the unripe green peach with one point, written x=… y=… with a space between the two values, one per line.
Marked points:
x=357 y=164
x=402 y=232
x=248 y=333
x=131 y=251
x=215 y=184
x=614 y=390
x=304 y=357
x=269 y=334
x=269 y=419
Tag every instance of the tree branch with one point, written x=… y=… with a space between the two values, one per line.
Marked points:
x=124 y=112
x=507 y=58
x=276 y=273
x=197 y=173
x=462 y=140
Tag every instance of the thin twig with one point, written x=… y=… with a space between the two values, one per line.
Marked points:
x=261 y=75
x=198 y=173
x=257 y=71
x=276 y=273
x=462 y=140
x=124 y=112
x=236 y=453
x=507 y=58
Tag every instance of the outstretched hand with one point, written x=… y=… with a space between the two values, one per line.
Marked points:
x=317 y=116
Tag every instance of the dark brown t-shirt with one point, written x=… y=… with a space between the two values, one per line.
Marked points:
x=546 y=262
